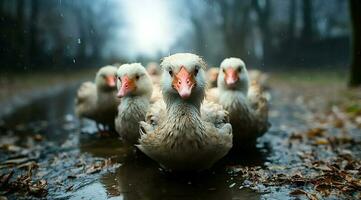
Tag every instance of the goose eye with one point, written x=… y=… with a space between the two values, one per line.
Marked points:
x=239 y=69
x=137 y=77
x=196 y=71
x=224 y=71
x=170 y=72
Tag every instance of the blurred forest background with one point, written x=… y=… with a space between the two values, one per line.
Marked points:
x=267 y=34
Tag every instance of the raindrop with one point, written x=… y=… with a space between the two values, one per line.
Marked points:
x=79 y=41
x=74 y=61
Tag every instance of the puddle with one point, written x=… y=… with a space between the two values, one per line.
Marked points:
x=138 y=177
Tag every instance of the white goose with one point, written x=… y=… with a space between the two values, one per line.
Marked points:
x=245 y=102
x=98 y=101
x=135 y=90
x=177 y=134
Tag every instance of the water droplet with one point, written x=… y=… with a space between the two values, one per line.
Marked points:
x=79 y=41
x=74 y=61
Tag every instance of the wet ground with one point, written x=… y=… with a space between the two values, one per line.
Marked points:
x=63 y=158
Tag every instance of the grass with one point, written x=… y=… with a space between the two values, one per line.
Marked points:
x=328 y=88
x=312 y=77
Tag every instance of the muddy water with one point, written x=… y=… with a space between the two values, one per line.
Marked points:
x=138 y=177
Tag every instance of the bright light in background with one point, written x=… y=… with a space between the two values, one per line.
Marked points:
x=149 y=28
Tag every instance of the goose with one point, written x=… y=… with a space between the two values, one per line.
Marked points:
x=256 y=76
x=154 y=72
x=135 y=90
x=212 y=74
x=244 y=101
x=177 y=133
x=98 y=101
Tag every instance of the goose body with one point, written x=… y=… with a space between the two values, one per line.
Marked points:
x=178 y=134
x=98 y=101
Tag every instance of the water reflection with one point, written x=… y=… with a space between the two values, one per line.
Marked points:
x=141 y=178
x=137 y=180
x=48 y=116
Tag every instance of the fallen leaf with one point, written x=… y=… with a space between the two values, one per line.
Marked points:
x=324 y=189
x=315 y=132
x=10 y=148
x=322 y=141
x=38 y=137
x=298 y=192
x=4 y=178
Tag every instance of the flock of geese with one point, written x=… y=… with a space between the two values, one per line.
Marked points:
x=181 y=122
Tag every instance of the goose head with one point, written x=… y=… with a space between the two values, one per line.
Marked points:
x=133 y=80
x=233 y=75
x=153 y=68
x=183 y=78
x=212 y=75
x=105 y=78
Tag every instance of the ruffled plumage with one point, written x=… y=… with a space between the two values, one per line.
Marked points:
x=184 y=140
x=246 y=103
x=178 y=133
x=135 y=103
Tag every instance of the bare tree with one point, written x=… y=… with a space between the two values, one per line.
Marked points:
x=20 y=31
x=292 y=21
x=355 y=10
x=33 y=46
x=235 y=25
x=308 y=29
x=263 y=10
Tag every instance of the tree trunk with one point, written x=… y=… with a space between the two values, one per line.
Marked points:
x=355 y=11
x=307 y=30
x=20 y=39
x=200 y=43
x=20 y=14
x=264 y=14
x=292 y=22
x=236 y=25
x=33 y=46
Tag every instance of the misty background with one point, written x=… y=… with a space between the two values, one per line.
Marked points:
x=267 y=34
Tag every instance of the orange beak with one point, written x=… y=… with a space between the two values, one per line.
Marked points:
x=128 y=85
x=110 y=80
x=183 y=82
x=231 y=76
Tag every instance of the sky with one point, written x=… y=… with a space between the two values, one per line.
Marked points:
x=151 y=27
